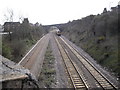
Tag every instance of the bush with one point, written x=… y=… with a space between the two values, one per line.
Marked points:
x=101 y=38
x=6 y=51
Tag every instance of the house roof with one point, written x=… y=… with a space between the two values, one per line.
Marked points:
x=11 y=23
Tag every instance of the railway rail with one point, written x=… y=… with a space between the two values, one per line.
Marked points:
x=76 y=77
x=101 y=80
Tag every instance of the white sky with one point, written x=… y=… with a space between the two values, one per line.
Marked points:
x=49 y=12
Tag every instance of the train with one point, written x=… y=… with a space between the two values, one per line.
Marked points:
x=55 y=30
x=58 y=33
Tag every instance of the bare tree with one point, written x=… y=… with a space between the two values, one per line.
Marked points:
x=9 y=15
x=6 y=17
x=21 y=18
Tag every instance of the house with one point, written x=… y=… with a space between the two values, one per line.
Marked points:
x=10 y=26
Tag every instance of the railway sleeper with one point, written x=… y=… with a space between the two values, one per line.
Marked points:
x=80 y=86
x=107 y=86
x=71 y=69
x=76 y=80
x=102 y=80
x=80 y=83
x=111 y=88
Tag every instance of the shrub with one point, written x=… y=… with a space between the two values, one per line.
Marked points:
x=7 y=51
x=101 y=38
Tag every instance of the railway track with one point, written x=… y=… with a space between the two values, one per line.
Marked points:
x=75 y=75
x=102 y=81
x=34 y=58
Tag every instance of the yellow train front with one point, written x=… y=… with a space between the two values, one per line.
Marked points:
x=58 y=32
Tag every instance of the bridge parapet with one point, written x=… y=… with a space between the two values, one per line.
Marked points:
x=12 y=75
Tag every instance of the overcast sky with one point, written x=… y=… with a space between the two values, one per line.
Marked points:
x=49 y=12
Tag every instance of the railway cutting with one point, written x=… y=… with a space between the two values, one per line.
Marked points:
x=72 y=68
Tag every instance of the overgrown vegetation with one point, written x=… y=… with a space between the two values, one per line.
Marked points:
x=97 y=35
x=0 y=44
x=47 y=75
x=22 y=38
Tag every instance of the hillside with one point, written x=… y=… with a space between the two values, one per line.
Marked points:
x=97 y=35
